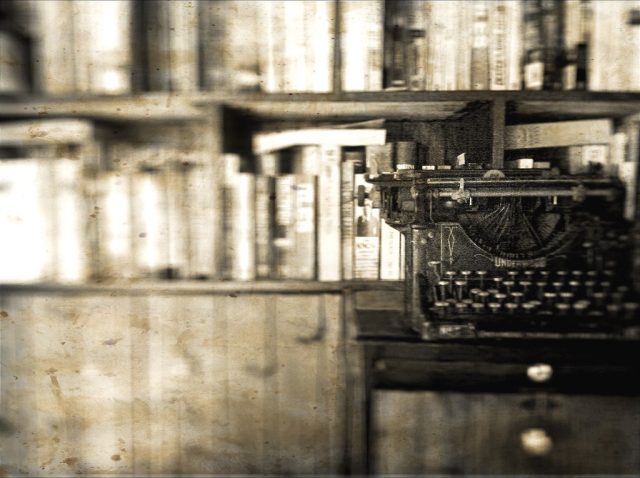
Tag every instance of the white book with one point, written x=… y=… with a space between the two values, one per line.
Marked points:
x=13 y=79
x=177 y=216
x=183 y=41
x=294 y=46
x=628 y=174
x=463 y=45
x=272 y=51
x=102 y=42
x=450 y=49
x=436 y=40
x=268 y=142
x=389 y=252
x=243 y=233
x=346 y=214
x=329 y=214
x=403 y=251
x=46 y=131
x=320 y=44
x=71 y=216
x=362 y=48
x=27 y=247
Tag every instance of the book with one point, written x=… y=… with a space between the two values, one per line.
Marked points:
x=551 y=20
x=320 y=45
x=498 y=45
x=533 y=46
x=561 y=133
x=14 y=60
x=366 y=228
x=396 y=44
x=329 y=194
x=305 y=166
x=390 y=264
x=464 y=44
x=379 y=159
x=266 y=172
x=416 y=45
x=271 y=59
x=295 y=71
x=284 y=236
x=352 y=160
x=480 y=46
x=362 y=45
x=514 y=44
x=273 y=141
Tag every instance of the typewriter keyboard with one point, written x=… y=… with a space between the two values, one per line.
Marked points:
x=559 y=293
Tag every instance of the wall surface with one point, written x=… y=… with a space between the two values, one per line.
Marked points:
x=171 y=384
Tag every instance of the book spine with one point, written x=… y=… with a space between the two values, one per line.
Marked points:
x=304 y=197
x=243 y=229
x=346 y=217
x=183 y=42
x=450 y=35
x=551 y=11
x=212 y=43
x=633 y=25
x=54 y=56
x=13 y=58
x=284 y=234
x=498 y=45
x=463 y=45
x=272 y=64
x=533 y=62
x=294 y=47
x=480 y=47
x=107 y=54
x=514 y=44
x=265 y=215
x=180 y=234
x=417 y=45
x=374 y=29
x=366 y=247
x=321 y=45
x=572 y=40
x=389 y=252
x=396 y=43
x=158 y=44
x=563 y=133
x=437 y=27
x=329 y=189
x=401 y=259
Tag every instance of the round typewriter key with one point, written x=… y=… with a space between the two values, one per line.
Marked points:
x=631 y=310
x=493 y=291
x=477 y=307
x=465 y=275
x=481 y=275
x=599 y=298
x=511 y=307
x=483 y=296
x=474 y=293
x=549 y=298
x=617 y=297
x=441 y=308
x=613 y=311
x=509 y=285
x=580 y=308
x=557 y=285
x=499 y=297
x=562 y=275
x=608 y=273
x=562 y=309
x=592 y=274
x=517 y=297
x=566 y=297
x=541 y=286
x=450 y=275
x=460 y=289
x=529 y=274
x=577 y=274
x=623 y=288
x=494 y=307
x=588 y=287
x=497 y=280
x=544 y=274
x=528 y=308
x=513 y=274
x=525 y=284
x=574 y=285
x=606 y=286
x=467 y=301
x=443 y=286
x=461 y=307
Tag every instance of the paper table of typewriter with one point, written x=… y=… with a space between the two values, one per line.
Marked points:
x=511 y=253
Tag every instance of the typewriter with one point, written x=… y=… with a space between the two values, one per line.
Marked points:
x=522 y=253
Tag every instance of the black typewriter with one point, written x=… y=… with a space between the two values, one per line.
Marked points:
x=518 y=253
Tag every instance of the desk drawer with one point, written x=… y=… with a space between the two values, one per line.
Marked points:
x=443 y=433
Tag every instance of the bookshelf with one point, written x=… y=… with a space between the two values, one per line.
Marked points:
x=248 y=326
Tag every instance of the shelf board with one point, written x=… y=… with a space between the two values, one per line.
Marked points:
x=198 y=287
x=357 y=105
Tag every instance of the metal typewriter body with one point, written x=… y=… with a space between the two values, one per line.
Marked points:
x=514 y=253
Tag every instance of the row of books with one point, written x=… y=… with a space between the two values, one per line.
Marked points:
x=121 y=46
x=77 y=205
x=512 y=45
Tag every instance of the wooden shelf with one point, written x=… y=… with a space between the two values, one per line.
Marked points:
x=198 y=287
x=427 y=105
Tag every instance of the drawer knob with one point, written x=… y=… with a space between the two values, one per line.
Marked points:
x=539 y=372
x=536 y=442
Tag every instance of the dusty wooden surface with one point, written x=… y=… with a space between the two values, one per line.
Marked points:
x=165 y=384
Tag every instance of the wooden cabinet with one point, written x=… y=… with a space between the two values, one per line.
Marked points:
x=130 y=382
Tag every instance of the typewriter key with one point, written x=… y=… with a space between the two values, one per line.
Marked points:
x=511 y=307
x=599 y=298
x=513 y=274
x=517 y=296
x=588 y=287
x=450 y=275
x=443 y=285
x=606 y=286
x=566 y=297
x=461 y=307
x=525 y=284
x=541 y=286
x=477 y=308
x=528 y=308
x=465 y=275
x=592 y=274
x=631 y=310
x=608 y=273
x=562 y=309
x=494 y=307
x=613 y=311
x=558 y=286
x=529 y=274
x=499 y=297
x=474 y=294
x=441 y=308
x=508 y=284
x=493 y=291
x=580 y=308
x=549 y=299
x=577 y=274
x=481 y=275
x=561 y=274
x=544 y=274
x=617 y=297
x=483 y=296
x=497 y=281
x=461 y=287
x=574 y=285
